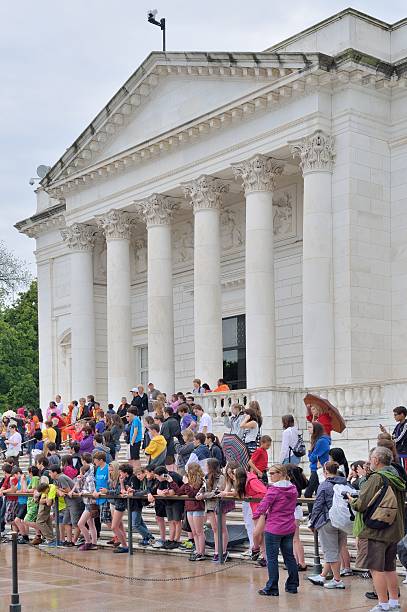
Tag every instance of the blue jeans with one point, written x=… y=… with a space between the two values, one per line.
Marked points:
x=139 y=525
x=274 y=543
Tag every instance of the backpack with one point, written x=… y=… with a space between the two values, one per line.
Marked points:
x=341 y=514
x=299 y=449
x=382 y=509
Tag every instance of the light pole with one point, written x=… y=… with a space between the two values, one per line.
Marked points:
x=151 y=18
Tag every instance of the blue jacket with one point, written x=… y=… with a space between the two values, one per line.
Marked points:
x=323 y=501
x=319 y=453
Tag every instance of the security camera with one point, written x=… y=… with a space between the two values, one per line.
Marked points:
x=152 y=13
x=31 y=181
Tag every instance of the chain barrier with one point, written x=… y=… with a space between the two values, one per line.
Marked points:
x=224 y=568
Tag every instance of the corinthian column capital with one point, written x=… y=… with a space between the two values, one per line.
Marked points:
x=79 y=237
x=257 y=173
x=116 y=225
x=316 y=152
x=205 y=192
x=158 y=209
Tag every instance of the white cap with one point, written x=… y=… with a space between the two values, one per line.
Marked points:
x=134 y=389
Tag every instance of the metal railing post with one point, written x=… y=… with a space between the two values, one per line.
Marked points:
x=316 y=567
x=15 y=605
x=129 y=527
x=220 y=531
x=57 y=520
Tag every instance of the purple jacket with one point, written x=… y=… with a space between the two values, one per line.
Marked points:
x=86 y=446
x=279 y=505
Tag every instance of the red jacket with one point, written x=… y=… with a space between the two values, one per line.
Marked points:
x=325 y=421
x=254 y=488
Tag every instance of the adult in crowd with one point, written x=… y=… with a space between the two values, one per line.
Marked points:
x=184 y=449
x=204 y=420
x=86 y=444
x=170 y=429
x=117 y=430
x=320 y=415
x=289 y=440
x=400 y=433
x=215 y=448
x=200 y=453
x=276 y=512
x=234 y=420
x=187 y=420
x=135 y=437
x=337 y=455
x=123 y=407
x=59 y=404
x=140 y=400
x=251 y=427
x=221 y=387
x=377 y=548
x=331 y=538
x=13 y=442
x=318 y=454
x=153 y=393
x=197 y=387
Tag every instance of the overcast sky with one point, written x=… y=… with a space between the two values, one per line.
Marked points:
x=60 y=62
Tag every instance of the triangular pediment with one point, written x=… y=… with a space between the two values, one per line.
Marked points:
x=170 y=90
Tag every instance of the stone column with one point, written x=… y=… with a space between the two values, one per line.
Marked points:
x=205 y=194
x=258 y=176
x=45 y=335
x=80 y=240
x=116 y=225
x=157 y=211
x=316 y=153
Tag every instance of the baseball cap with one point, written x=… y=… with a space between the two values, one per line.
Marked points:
x=134 y=389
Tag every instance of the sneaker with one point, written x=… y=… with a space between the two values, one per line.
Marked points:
x=396 y=607
x=110 y=542
x=225 y=556
x=334 y=584
x=167 y=544
x=21 y=540
x=151 y=541
x=215 y=559
x=346 y=572
x=261 y=563
x=199 y=557
x=93 y=547
x=371 y=595
x=143 y=543
x=85 y=547
x=255 y=555
x=80 y=541
x=49 y=544
x=158 y=544
x=247 y=554
x=174 y=545
x=121 y=549
x=378 y=608
x=36 y=541
x=302 y=568
x=320 y=580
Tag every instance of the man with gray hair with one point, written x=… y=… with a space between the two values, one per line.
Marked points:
x=377 y=547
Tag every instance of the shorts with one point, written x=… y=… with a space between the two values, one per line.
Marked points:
x=135 y=451
x=11 y=511
x=196 y=513
x=160 y=509
x=175 y=510
x=169 y=460
x=331 y=540
x=31 y=515
x=21 y=511
x=378 y=556
x=73 y=513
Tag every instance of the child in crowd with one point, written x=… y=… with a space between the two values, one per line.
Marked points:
x=136 y=485
x=259 y=460
x=32 y=506
x=85 y=484
x=159 y=505
x=54 y=460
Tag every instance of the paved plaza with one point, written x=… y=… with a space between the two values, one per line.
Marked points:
x=50 y=584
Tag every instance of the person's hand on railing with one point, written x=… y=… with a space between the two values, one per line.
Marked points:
x=95 y=494
x=103 y=491
x=150 y=498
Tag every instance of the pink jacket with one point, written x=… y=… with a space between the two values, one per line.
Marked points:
x=279 y=505
x=254 y=488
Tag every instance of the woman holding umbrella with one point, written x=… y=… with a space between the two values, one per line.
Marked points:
x=322 y=411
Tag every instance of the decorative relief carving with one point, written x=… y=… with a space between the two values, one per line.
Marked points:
x=285 y=211
x=183 y=243
x=140 y=256
x=158 y=209
x=232 y=228
x=205 y=192
x=316 y=152
x=79 y=237
x=116 y=225
x=42 y=227
x=257 y=173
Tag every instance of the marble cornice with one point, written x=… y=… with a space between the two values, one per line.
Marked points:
x=349 y=68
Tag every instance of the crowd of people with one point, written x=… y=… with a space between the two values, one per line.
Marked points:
x=74 y=468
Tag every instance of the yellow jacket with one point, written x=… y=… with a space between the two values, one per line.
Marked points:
x=156 y=446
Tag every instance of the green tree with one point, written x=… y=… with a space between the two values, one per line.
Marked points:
x=19 y=379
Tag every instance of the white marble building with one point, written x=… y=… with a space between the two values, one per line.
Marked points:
x=262 y=193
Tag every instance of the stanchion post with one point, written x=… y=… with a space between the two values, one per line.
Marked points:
x=15 y=605
x=129 y=527
x=317 y=567
x=220 y=531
